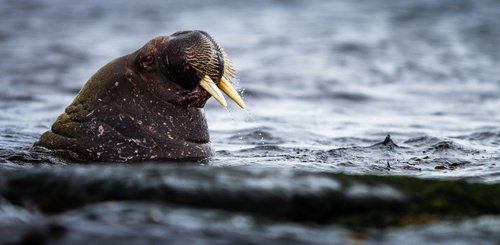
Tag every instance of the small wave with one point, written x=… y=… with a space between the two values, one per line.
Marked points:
x=443 y=146
x=264 y=148
x=256 y=136
x=13 y=98
x=421 y=141
x=343 y=95
x=425 y=10
x=485 y=136
x=325 y=90
x=349 y=48
x=25 y=157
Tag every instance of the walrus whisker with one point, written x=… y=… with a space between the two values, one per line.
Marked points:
x=203 y=57
x=228 y=65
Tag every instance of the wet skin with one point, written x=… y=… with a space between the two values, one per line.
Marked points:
x=143 y=106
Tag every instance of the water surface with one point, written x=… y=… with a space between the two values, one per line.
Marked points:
x=324 y=81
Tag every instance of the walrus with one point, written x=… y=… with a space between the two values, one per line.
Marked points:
x=147 y=105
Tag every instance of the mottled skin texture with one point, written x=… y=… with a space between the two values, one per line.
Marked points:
x=143 y=106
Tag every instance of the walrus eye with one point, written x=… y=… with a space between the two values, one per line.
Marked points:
x=148 y=61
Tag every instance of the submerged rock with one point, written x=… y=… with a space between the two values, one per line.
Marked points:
x=388 y=143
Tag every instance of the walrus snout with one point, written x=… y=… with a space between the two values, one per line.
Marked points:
x=189 y=55
x=194 y=59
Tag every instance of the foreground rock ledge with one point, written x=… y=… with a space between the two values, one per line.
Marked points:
x=274 y=194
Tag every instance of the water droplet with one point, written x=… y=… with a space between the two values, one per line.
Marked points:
x=262 y=142
x=250 y=116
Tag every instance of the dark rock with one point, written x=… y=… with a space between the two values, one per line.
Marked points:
x=355 y=200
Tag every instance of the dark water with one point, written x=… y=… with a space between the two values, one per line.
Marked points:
x=324 y=82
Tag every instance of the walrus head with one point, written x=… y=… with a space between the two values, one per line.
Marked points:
x=147 y=105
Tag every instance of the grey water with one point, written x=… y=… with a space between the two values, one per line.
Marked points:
x=324 y=81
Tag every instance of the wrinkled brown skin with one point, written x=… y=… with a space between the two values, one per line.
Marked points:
x=133 y=110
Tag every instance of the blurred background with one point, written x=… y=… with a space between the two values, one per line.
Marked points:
x=323 y=80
